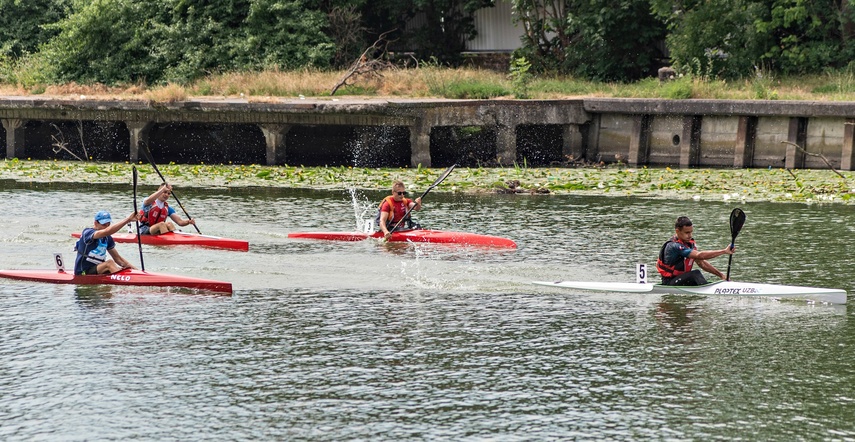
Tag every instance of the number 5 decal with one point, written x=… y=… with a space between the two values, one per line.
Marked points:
x=641 y=273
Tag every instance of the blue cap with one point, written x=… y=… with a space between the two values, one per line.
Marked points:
x=103 y=217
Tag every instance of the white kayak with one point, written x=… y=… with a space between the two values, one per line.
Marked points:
x=727 y=288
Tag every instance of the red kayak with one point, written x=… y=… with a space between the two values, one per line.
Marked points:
x=181 y=238
x=419 y=235
x=124 y=277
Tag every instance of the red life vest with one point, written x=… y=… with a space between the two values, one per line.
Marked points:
x=391 y=221
x=154 y=214
x=681 y=266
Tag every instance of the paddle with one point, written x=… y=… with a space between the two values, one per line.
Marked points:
x=151 y=160
x=139 y=240
x=435 y=183
x=737 y=220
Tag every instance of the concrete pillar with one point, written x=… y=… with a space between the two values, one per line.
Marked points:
x=592 y=149
x=506 y=144
x=847 y=158
x=690 y=141
x=14 y=137
x=796 y=134
x=274 y=136
x=138 y=131
x=639 y=142
x=572 y=143
x=420 y=143
x=746 y=134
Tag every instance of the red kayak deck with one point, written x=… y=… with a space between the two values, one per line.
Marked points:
x=421 y=235
x=124 y=277
x=181 y=238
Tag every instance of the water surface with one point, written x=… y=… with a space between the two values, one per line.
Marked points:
x=338 y=341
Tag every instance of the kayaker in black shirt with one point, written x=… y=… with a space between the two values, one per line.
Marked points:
x=679 y=253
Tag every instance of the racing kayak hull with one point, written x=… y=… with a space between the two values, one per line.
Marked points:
x=124 y=277
x=181 y=238
x=418 y=235
x=725 y=288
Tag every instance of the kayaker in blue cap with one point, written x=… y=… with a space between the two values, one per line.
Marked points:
x=394 y=207
x=679 y=254
x=94 y=244
x=156 y=213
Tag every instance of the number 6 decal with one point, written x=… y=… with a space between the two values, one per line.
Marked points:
x=57 y=257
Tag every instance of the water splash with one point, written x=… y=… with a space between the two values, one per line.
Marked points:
x=362 y=210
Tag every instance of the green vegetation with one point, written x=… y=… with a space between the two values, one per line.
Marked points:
x=437 y=82
x=47 y=45
x=778 y=185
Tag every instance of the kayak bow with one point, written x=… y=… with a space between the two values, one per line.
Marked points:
x=124 y=277
x=181 y=238
x=417 y=235
x=727 y=288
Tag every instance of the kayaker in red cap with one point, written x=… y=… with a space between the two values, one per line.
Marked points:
x=94 y=244
x=156 y=213
x=394 y=207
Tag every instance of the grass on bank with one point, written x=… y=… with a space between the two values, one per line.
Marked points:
x=737 y=185
x=432 y=81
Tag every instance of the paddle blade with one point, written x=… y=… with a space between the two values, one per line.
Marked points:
x=737 y=220
x=443 y=176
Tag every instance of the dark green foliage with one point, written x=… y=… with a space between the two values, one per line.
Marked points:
x=114 y=41
x=158 y=41
x=595 y=39
x=440 y=28
x=736 y=38
x=21 y=24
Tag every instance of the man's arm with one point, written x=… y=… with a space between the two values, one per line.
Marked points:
x=710 y=254
x=181 y=222
x=150 y=199
x=417 y=204
x=706 y=265
x=115 y=227
x=384 y=218
x=120 y=260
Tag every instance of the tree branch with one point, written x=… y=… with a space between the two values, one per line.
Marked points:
x=815 y=155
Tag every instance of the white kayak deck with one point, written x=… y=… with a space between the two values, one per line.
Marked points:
x=726 y=288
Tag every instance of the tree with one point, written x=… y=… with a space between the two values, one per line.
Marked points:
x=595 y=39
x=115 y=41
x=735 y=38
x=22 y=24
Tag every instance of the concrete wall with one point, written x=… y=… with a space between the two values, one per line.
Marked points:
x=435 y=133
x=665 y=133
x=718 y=140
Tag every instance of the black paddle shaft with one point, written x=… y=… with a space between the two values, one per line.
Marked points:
x=737 y=220
x=178 y=201
x=435 y=183
x=139 y=240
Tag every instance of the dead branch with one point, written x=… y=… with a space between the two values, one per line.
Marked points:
x=368 y=63
x=59 y=144
x=80 y=132
x=815 y=155
x=792 y=174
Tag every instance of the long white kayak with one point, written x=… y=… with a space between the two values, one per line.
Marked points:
x=726 y=288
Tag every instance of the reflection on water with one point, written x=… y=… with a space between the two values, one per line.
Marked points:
x=333 y=341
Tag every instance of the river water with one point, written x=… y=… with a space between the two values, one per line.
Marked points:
x=356 y=341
